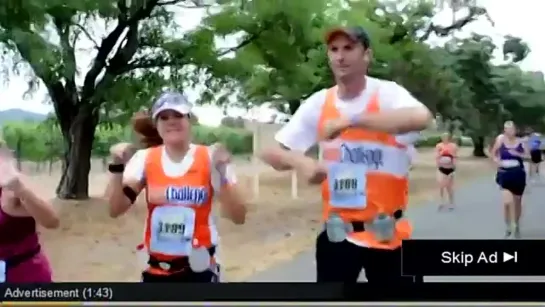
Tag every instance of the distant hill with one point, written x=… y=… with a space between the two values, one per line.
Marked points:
x=16 y=115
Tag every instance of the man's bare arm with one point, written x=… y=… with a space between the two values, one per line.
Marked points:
x=281 y=158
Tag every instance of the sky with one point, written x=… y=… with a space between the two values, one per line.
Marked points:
x=513 y=18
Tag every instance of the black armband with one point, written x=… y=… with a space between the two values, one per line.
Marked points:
x=116 y=168
x=284 y=146
x=130 y=193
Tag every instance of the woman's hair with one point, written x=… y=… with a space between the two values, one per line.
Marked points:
x=145 y=129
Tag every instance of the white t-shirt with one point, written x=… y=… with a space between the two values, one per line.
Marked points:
x=134 y=170
x=301 y=132
x=411 y=152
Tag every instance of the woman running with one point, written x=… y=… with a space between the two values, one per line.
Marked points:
x=446 y=152
x=508 y=152
x=181 y=181
x=21 y=257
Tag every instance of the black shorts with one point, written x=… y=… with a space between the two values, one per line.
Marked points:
x=512 y=181
x=343 y=262
x=183 y=271
x=446 y=171
x=181 y=277
x=536 y=156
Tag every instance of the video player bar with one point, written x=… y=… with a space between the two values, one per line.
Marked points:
x=473 y=257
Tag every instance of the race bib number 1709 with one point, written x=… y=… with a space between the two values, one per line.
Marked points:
x=347 y=186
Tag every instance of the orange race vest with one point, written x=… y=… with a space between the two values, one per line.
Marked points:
x=372 y=167
x=179 y=208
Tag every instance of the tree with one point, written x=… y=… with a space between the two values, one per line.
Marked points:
x=127 y=65
x=286 y=63
x=493 y=89
x=279 y=57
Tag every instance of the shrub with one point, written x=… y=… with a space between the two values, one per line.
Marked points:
x=238 y=141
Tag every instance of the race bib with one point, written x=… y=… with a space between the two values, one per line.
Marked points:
x=445 y=160
x=172 y=229
x=2 y=271
x=347 y=186
x=509 y=163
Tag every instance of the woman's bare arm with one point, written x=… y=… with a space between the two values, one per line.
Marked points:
x=119 y=196
x=123 y=188
x=41 y=210
x=495 y=148
x=233 y=204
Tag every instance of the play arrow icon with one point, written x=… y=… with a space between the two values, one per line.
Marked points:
x=507 y=257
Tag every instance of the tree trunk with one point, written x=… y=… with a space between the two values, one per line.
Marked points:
x=74 y=183
x=293 y=106
x=478 y=146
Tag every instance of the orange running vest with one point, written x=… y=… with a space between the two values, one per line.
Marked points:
x=367 y=175
x=179 y=208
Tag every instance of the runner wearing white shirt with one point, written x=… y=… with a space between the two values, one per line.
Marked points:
x=411 y=151
x=399 y=113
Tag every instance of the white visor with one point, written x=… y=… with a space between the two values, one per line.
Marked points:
x=171 y=101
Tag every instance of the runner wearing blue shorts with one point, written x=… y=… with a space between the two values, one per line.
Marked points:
x=508 y=152
x=534 y=143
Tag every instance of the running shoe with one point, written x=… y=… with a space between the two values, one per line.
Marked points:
x=517 y=232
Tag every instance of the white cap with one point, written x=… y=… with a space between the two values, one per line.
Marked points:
x=171 y=101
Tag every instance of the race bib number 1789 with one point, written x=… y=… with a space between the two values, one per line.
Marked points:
x=172 y=230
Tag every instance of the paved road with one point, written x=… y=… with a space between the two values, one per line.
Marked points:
x=478 y=216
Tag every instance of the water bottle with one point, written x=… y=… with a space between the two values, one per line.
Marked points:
x=384 y=227
x=335 y=228
x=199 y=259
x=2 y=271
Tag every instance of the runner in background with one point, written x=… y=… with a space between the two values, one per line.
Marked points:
x=446 y=152
x=363 y=126
x=181 y=180
x=508 y=153
x=534 y=143
x=21 y=257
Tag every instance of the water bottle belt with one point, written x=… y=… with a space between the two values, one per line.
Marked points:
x=176 y=264
x=15 y=260
x=360 y=226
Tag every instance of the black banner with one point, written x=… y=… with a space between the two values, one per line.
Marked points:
x=271 y=292
x=473 y=257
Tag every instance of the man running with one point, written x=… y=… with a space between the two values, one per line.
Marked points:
x=534 y=143
x=360 y=126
